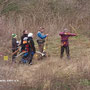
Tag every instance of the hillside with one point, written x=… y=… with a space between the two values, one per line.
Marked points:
x=54 y=15
x=51 y=73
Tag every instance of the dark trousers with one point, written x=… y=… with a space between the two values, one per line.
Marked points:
x=13 y=56
x=41 y=47
x=67 y=51
x=30 y=57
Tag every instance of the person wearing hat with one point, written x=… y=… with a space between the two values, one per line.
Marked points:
x=41 y=39
x=64 y=42
x=14 y=46
x=32 y=49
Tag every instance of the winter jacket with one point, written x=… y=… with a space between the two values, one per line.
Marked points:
x=14 y=44
x=23 y=38
x=24 y=41
x=41 y=37
x=31 y=45
x=64 y=38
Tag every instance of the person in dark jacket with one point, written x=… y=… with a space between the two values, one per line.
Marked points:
x=24 y=38
x=24 y=46
x=31 y=48
x=41 y=39
x=14 y=46
x=64 y=42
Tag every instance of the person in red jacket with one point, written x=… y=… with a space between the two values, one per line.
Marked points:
x=64 y=42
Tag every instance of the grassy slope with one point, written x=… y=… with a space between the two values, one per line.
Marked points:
x=54 y=73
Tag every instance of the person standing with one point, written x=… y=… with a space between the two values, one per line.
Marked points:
x=24 y=46
x=14 y=47
x=32 y=49
x=65 y=42
x=41 y=39
x=24 y=38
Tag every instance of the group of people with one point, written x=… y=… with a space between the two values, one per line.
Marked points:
x=28 y=46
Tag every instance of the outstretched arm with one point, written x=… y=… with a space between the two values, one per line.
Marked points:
x=68 y=34
x=72 y=34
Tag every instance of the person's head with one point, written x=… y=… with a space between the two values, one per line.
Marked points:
x=14 y=36
x=25 y=32
x=66 y=30
x=30 y=35
x=42 y=29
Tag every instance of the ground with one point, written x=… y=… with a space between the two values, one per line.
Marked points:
x=51 y=73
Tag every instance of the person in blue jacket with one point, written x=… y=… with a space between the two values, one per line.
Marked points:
x=41 y=39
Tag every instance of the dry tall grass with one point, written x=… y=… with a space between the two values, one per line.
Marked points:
x=54 y=15
x=52 y=73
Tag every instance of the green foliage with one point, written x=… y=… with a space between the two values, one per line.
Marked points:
x=85 y=82
x=1 y=1
x=9 y=7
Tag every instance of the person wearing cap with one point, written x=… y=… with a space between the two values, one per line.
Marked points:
x=64 y=42
x=32 y=49
x=14 y=46
x=41 y=39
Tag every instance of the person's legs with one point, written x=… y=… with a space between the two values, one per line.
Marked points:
x=41 y=46
x=62 y=51
x=30 y=59
x=68 y=52
x=13 y=56
x=24 y=57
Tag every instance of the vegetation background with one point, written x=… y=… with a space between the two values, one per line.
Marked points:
x=54 y=16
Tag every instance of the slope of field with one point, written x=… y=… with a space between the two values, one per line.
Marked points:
x=52 y=73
